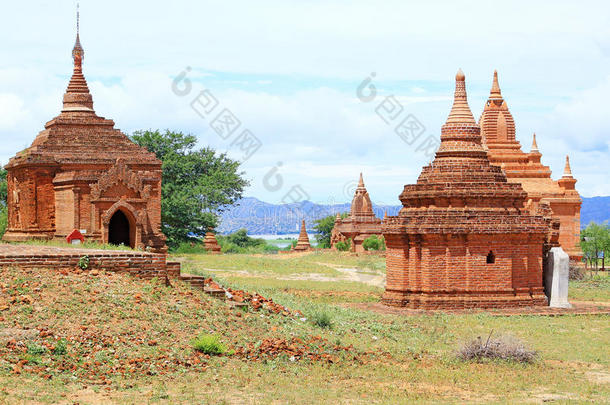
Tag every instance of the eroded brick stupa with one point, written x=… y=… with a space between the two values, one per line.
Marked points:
x=499 y=137
x=463 y=238
x=211 y=244
x=361 y=222
x=82 y=173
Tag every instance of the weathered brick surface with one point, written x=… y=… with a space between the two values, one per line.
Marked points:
x=79 y=172
x=211 y=244
x=140 y=264
x=360 y=224
x=463 y=238
x=499 y=138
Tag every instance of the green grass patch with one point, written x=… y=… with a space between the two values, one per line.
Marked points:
x=209 y=344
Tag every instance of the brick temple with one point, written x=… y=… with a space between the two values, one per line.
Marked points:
x=463 y=238
x=498 y=132
x=361 y=222
x=82 y=173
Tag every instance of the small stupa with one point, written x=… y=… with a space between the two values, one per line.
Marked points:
x=211 y=244
x=303 y=244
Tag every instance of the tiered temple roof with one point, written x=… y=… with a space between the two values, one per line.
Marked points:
x=499 y=138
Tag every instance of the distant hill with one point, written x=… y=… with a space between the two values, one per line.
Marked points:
x=594 y=209
x=261 y=218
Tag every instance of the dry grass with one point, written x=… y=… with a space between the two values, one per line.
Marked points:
x=497 y=348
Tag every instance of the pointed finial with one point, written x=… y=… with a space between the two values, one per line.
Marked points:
x=361 y=181
x=338 y=217
x=567 y=171
x=385 y=214
x=78 y=54
x=77 y=18
x=495 y=87
x=460 y=112
x=460 y=76
x=534 y=144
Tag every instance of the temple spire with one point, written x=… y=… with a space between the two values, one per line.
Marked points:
x=78 y=53
x=77 y=97
x=460 y=112
x=534 y=144
x=567 y=170
x=361 y=181
x=495 y=87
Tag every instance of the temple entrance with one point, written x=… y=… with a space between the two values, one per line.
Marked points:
x=119 y=230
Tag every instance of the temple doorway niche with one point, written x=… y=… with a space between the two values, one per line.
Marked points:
x=120 y=230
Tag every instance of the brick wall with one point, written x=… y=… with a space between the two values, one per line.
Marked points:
x=139 y=264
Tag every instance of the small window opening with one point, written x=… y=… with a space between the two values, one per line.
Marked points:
x=491 y=258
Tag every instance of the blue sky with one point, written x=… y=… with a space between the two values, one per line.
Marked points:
x=289 y=72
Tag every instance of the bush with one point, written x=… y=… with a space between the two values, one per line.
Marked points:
x=35 y=349
x=501 y=348
x=209 y=344
x=344 y=246
x=240 y=242
x=322 y=319
x=373 y=242
x=190 y=247
x=61 y=347
x=83 y=262
x=3 y=220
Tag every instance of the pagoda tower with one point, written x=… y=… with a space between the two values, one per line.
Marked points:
x=361 y=222
x=82 y=173
x=303 y=244
x=463 y=238
x=498 y=131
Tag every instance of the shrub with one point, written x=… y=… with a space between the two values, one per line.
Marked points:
x=61 y=347
x=35 y=349
x=502 y=348
x=373 y=242
x=344 y=246
x=209 y=344
x=3 y=220
x=322 y=319
x=83 y=262
x=190 y=247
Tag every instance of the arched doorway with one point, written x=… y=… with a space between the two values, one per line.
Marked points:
x=119 y=230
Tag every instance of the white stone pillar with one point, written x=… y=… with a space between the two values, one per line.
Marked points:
x=556 y=278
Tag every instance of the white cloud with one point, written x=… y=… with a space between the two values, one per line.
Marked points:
x=314 y=124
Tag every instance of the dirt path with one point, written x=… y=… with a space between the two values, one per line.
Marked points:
x=347 y=274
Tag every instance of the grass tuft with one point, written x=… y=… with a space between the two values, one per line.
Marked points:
x=322 y=320
x=209 y=344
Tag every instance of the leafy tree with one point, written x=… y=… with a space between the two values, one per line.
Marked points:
x=240 y=242
x=198 y=184
x=595 y=240
x=373 y=242
x=324 y=227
